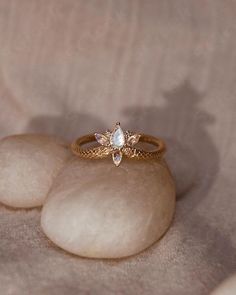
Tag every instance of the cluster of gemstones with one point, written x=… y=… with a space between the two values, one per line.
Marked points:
x=117 y=140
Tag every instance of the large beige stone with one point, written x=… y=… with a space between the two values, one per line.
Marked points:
x=98 y=210
x=29 y=164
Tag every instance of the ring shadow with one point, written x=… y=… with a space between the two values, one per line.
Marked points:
x=68 y=125
x=183 y=125
x=194 y=161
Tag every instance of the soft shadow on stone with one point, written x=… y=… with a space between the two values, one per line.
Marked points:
x=68 y=125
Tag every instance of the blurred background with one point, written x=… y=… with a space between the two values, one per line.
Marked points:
x=70 y=67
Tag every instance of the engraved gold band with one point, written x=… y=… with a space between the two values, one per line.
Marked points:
x=118 y=143
x=131 y=152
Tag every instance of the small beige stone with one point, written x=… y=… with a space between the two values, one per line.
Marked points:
x=29 y=164
x=98 y=210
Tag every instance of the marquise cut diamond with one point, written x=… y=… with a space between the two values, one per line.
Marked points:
x=102 y=139
x=117 y=157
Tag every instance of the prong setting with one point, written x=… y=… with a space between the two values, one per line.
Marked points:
x=117 y=140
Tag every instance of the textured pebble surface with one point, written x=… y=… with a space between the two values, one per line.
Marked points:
x=98 y=210
x=29 y=164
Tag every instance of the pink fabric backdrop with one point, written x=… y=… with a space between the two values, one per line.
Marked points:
x=163 y=67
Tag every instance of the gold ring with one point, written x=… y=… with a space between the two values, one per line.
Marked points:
x=118 y=143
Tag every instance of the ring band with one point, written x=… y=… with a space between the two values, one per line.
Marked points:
x=118 y=143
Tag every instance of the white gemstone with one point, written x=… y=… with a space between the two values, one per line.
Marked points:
x=102 y=139
x=117 y=157
x=118 y=138
x=133 y=139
